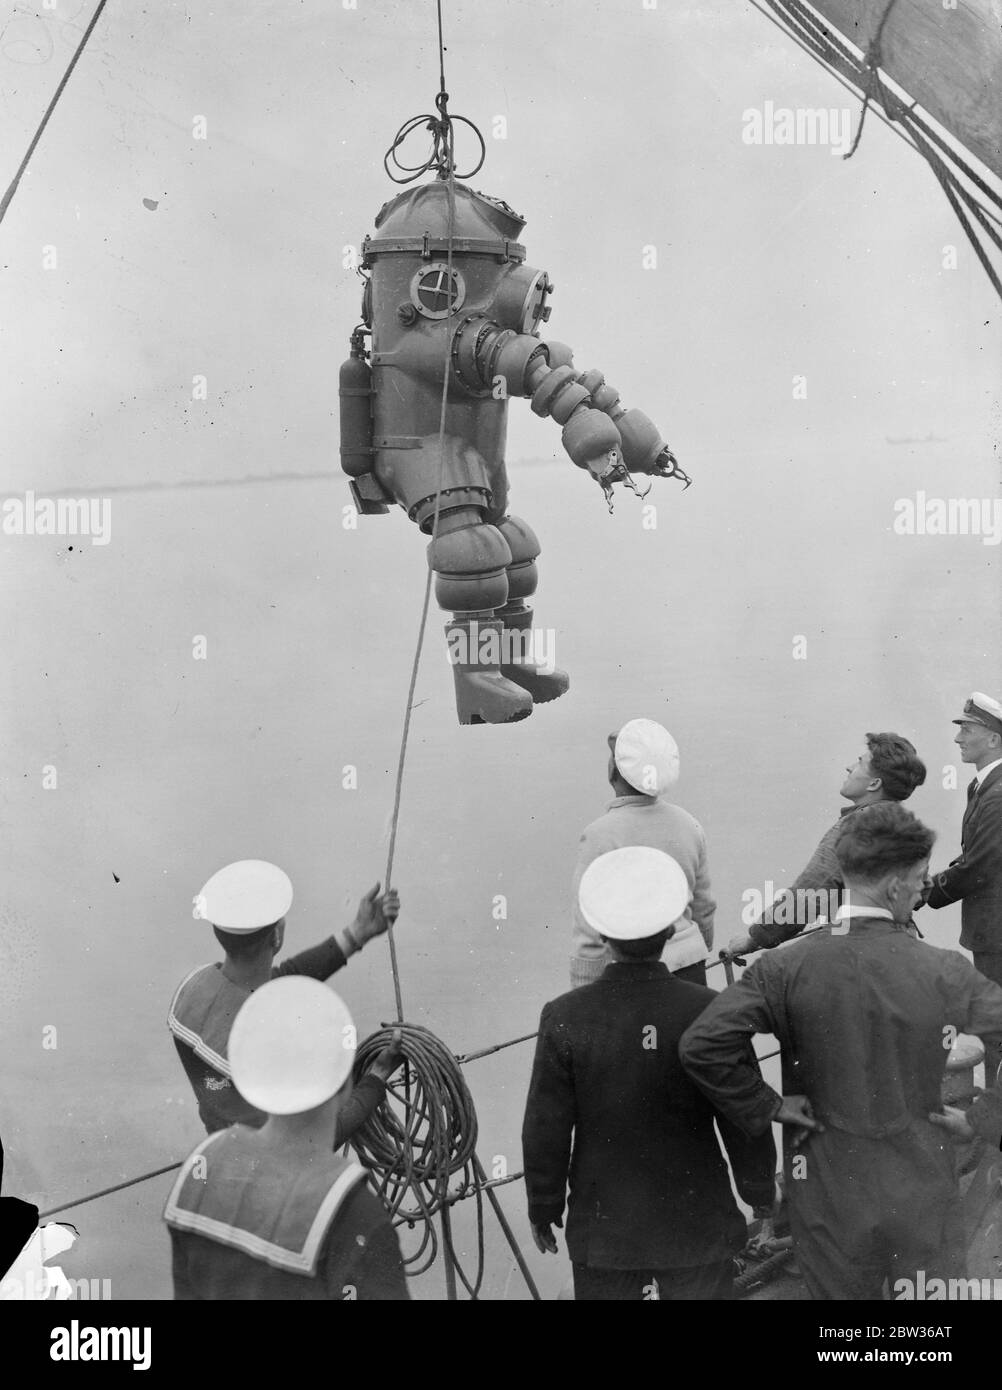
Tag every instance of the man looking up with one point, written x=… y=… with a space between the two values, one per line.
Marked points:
x=246 y=903
x=975 y=877
x=643 y=764
x=889 y=770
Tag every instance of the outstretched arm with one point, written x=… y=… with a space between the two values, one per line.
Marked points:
x=376 y=912
x=599 y=433
x=798 y=906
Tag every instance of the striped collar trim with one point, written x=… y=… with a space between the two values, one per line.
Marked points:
x=302 y=1261
x=188 y=1036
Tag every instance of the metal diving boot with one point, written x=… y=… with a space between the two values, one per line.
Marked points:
x=517 y=642
x=483 y=694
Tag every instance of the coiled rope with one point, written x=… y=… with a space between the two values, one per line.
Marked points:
x=418 y=1144
x=761 y=1273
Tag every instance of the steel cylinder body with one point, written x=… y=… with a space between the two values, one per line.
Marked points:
x=415 y=306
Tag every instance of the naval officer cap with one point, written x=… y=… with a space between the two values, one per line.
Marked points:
x=292 y=1046
x=245 y=896
x=633 y=892
x=646 y=756
x=982 y=709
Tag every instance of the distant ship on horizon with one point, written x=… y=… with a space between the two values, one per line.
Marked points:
x=930 y=438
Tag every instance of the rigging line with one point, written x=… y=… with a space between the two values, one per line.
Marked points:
x=794 y=38
x=828 y=41
x=441 y=49
x=106 y=1191
x=798 y=17
x=947 y=175
x=870 y=77
x=948 y=186
x=903 y=132
x=912 y=118
x=796 y=13
x=454 y=1197
x=8 y=196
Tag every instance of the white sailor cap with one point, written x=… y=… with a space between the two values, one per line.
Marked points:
x=646 y=756
x=633 y=892
x=982 y=709
x=292 y=1045
x=245 y=896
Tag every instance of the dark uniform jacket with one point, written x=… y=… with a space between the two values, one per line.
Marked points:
x=611 y=1112
x=250 y=1223
x=201 y=1015
x=976 y=877
x=863 y=1019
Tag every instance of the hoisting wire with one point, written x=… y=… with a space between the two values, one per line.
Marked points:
x=438 y=1134
x=422 y=622
x=442 y=156
x=12 y=189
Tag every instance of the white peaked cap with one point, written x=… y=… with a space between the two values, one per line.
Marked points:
x=982 y=709
x=633 y=892
x=646 y=756
x=245 y=896
x=292 y=1045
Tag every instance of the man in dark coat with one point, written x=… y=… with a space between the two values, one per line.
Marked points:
x=865 y=1015
x=975 y=878
x=611 y=1112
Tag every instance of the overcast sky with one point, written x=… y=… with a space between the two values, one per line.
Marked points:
x=623 y=130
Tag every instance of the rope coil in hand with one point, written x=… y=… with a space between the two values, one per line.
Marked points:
x=423 y=1133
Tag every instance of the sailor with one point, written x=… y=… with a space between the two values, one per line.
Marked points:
x=889 y=770
x=273 y=1213
x=975 y=877
x=611 y=1113
x=246 y=903
x=864 y=1014
x=643 y=764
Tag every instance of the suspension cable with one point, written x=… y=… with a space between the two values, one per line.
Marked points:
x=5 y=202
